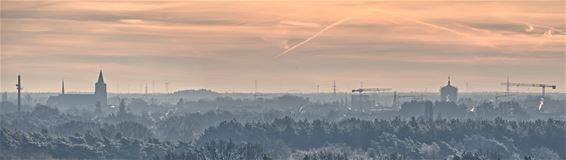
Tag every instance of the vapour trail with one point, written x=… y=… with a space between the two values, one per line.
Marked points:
x=431 y=25
x=531 y=26
x=382 y=11
x=313 y=36
x=455 y=32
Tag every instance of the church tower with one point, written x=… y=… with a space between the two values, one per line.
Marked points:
x=100 y=91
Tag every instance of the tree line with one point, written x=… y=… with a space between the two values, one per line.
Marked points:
x=414 y=138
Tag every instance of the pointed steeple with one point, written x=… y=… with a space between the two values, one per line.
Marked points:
x=448 y=80
x=100 y=90
x=100 y=77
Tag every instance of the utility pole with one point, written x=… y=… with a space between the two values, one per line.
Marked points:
x=507 y=93
x=395 y=101
x=334 y=87
x=63 y=87
x=19 y=88
x=152 y=87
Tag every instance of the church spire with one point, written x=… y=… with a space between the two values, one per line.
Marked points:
x=100 y=77
x=100 y=90
x=448 y=80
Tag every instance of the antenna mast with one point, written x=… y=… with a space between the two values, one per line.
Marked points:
x=62 y=86
x=145 y=88
x=334 y=87
x=19 y=88
x=508 y=84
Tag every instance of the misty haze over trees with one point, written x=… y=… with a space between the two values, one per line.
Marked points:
x=283 y=126
x=340 y=80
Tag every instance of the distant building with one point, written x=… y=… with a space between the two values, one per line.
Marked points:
x=85 y=100
x=416 y=108
x=448 y=93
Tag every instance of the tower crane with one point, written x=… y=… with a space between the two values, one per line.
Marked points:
x=543 y=86
x=361 y=90
x=361 y=100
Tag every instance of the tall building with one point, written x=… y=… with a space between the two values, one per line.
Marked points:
x=449 y=93
x=83 y=100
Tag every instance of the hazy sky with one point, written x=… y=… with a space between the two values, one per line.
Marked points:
x=285 y=46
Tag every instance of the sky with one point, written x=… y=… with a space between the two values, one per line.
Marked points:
x=286 y=46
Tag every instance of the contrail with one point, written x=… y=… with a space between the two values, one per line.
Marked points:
x=547 y=27
x=439 y=27
x=431 y=25
x=531 y=26
x=421 y=22
x=313 y=36
x=453 y=31
x=550 y=32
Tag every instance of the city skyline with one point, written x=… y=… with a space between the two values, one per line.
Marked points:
x=165 y=88
x=285 y=46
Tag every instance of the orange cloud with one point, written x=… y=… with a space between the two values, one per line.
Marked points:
x=197 y=43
